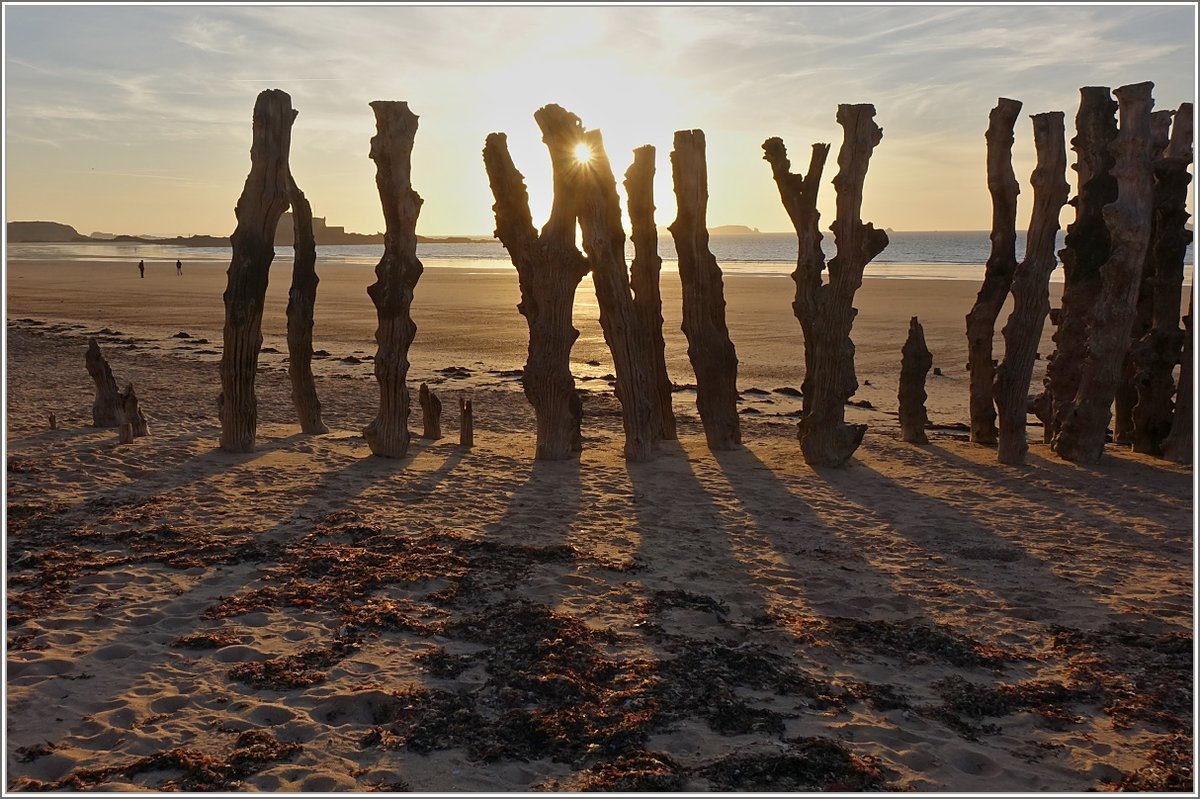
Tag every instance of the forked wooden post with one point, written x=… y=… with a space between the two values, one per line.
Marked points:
x=1031 y=287
x=396 y=275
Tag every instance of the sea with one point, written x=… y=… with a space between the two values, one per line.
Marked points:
x=939 y=255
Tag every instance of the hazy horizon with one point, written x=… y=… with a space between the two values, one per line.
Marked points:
x=136 y=120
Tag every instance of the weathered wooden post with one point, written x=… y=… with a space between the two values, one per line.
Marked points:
x=1178 y=445
x=132 y=413
x=604 y=243
x=644 y=274
x=466 y=424
x=431 y=413
x=302 y=298
x=1157 y=353
x=998 y=274
x=107 y=407
x=711 y=351
x=799 y=195
x=549 y=268
x=396 y=275
x=1085 y=417
x=1087 y=246
x=825 y=438
x=915 y=362
x=264 y=199
x=1031 y=286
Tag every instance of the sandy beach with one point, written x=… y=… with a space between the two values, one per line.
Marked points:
x=308 y=617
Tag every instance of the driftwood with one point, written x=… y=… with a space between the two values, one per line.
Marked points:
x=644 y=274
x=396 y=275
x=1178 y=445
x=1085 y=418
x=302 y=298
x=998 y=274
x=431 y=413
x=1143 y=315
x=1157 y=353
x=711 y=351
x=549 y=268
x=799 y=196
x=466 y=424
x=1087 y=247
x=825 y=438
x=264 y=199
x=915 y=363
x=1031 y=287
x=604 y=243
x=107 y=408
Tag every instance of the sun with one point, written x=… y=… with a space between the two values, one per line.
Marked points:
x=583 y=153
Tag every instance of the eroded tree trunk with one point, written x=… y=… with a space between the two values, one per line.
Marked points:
x=1178 y=445
x=1158 y=351
x=604 y=243
x=549 y=268
x=1031 y=287
x=431 y=413
x=998 y=274
x=1087 y=247
x=1085 y=418
x=396 y=275
x=644 y=280
x=302 y=299
x=264 y=199
x=1143 y=315
x=825 y=438
x=915 y=363
x=711 y=351
x=799 y=195
x=107 y=407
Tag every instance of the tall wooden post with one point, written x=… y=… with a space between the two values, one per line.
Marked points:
x=1031 y=286
x=396 y=275
x=302 y=299
x=711 y=351
x=1086 y=416
x=644 y=274
x=915 y=362
x=998 y=274
x=108 y=408
x=1179 y=443
x=264 y=199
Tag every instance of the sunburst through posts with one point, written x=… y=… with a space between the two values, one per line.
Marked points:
x=583 y=153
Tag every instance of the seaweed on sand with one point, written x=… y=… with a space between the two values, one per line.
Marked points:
x=809 y=764
x=293 y=671
x=964 y=702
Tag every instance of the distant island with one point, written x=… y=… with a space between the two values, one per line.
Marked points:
x=58 y=233
x=719 y=230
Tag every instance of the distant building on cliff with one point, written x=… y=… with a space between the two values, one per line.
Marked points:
x=322 y=233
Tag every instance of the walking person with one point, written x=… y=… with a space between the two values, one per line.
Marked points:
x=142 y=269
x=178 y=267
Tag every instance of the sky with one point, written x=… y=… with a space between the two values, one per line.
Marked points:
x=137 y=118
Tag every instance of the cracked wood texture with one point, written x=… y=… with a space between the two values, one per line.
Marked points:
x=1031 y=287
x=302 y=299
x=1158 y=351
x=107 y=406
x=1086 y=247
x=1085 y=418
x=998 y=274
x=915 y=362
x=549 y=267
x=798 y=192
x=825 y=438
x=604 y=243
x=711 y=351
x=264 y=199
x=396 y=275
x=644 y=276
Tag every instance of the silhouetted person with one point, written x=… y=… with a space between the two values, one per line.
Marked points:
x=142 y=268
x=178 y=267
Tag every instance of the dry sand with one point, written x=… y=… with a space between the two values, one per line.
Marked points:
x=311 y=618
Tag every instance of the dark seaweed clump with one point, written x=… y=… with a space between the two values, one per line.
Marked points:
x=965 y=702
x=809 y=764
